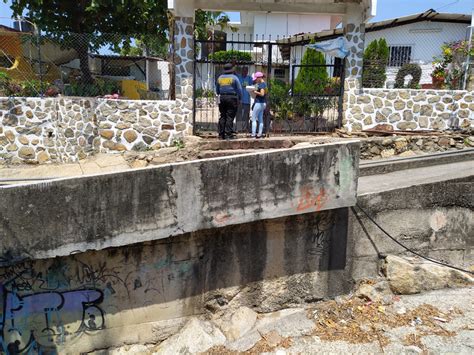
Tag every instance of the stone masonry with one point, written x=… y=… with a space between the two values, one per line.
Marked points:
x=60 y=130
x=184 y=59
x=404 y=109
x=140 y=125
x=40 y=130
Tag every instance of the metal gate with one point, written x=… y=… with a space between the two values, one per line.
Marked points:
x=305 y=89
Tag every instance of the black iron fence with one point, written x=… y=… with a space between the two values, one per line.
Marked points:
x=305 y=87
x=73 y=64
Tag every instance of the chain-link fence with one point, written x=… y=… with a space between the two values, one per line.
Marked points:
x=72 y=64
x=421 y=55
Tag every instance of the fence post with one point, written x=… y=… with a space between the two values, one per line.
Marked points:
x=194 y=83
x=269 y=70
x=38 y=43
x=340 y=110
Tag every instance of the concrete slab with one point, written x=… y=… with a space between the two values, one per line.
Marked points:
x=94 y=212
x=405 y=178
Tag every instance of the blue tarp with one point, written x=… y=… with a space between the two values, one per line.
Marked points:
x=335 y=47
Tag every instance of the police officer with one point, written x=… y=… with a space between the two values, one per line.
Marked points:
x=230 y=92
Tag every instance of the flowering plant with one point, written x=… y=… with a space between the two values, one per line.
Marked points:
x=449 y=66
x=439 y=72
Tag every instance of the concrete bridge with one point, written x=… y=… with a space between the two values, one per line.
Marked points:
x=99 y=261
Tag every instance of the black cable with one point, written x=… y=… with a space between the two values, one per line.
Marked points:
x=408 y=249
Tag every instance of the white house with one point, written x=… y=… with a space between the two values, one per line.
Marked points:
x=418 y=38
x=268 y=27
x=411 y=39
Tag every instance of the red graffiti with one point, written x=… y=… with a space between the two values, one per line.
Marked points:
x=309 y=199
x=222 y=218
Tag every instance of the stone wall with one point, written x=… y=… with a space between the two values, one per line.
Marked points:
x=57 y=130
x=141 y=125
x=408 y=146
x=403 y=109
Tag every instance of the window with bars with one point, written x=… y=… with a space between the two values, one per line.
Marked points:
x=399 y=55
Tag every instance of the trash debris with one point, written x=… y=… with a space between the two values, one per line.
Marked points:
x=400 y=310
x=359 y=321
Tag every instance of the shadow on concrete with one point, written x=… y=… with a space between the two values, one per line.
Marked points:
x=267 y=264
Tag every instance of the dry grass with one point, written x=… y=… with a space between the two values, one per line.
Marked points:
x=355 y=320
x=260 y=347
x=358 y=321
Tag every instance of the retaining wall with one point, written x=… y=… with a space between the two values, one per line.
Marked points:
x=95 y=212
x=140 y=293
x=57 y=130
x=404 y=109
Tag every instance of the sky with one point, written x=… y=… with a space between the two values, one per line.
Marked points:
x=385 y=9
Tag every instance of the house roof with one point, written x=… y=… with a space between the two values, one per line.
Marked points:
x=429 y=15
x=8 y=29
x=124 y=57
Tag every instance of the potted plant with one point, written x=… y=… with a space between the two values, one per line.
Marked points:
x=438 y=76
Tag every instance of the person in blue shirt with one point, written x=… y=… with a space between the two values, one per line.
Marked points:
x=243 y=113
x=259 y=105
x=230 y=93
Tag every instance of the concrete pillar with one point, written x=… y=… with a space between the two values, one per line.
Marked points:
x=354 y=33
x=184 y=56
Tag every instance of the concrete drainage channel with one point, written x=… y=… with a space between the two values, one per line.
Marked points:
x=209 y=255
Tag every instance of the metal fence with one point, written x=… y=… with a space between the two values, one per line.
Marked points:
x=305 y=89
x=72 y=64
x=437 y=50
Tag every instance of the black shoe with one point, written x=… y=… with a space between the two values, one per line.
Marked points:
x=230 y=137
x=221 y=137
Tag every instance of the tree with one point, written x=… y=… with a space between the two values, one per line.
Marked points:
x=310 y=83
x=145 y=46
x=376 y=58
x=205 y=23
x=313 y=76
x=83 y=25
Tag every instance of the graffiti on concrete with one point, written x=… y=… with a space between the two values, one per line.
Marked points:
x=310 y=201
x=321 y=233
x=35 y=322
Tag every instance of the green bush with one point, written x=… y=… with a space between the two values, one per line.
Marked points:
x=99 y=87
x=32 y=88
x=4 y=79
x=311 y=81
x=280 y=99
x=408 y=69
x=204 y=93
x=27 y=88
x=229 y=56
x=376 y=58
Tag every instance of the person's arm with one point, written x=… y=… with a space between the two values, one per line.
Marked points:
x=238 y=88
x=218 y=87
x=260 y=92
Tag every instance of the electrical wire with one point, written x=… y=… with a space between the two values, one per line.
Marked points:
x=447 y=5
x=408 y=249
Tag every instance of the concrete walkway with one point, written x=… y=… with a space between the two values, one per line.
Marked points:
x=418 y=176
x=100 y=164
